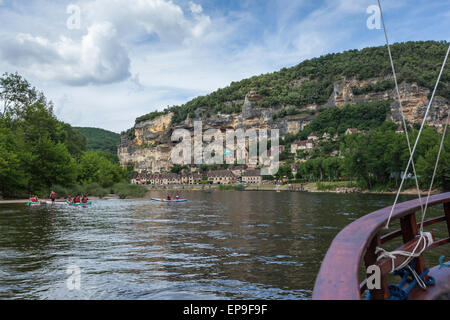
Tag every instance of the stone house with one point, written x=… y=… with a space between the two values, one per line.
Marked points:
x=252 y=177
x=305 y=145
x=195 y=178
x=221 y=177
x=352 y=131
x=313 y=136
x=238 y=170
x=295 y=146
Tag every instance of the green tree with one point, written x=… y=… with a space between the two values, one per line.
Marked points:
x=96 y=168
x=13 y=176
x=51 y=163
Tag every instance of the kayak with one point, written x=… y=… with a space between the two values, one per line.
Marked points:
x=79 y=204
x=165 y=200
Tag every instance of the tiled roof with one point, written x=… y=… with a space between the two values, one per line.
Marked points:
x=220 y=173
x=251 y=173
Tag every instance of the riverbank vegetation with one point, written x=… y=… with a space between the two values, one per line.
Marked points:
x=38 y=152
x=238 y=187
x=125 y=190
x=376 y=159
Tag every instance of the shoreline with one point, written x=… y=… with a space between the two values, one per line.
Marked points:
x=286 y=188
x=19 y=201
x=263 y=188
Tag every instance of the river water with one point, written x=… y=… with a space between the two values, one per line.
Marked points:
x=223 y=245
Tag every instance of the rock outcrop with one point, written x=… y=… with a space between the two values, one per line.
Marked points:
x=150 y=150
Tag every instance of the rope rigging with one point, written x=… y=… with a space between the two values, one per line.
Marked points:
x=425 y=238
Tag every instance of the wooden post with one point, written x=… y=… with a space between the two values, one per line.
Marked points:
x=409 y=231
x=447 y=215
x=370 y=258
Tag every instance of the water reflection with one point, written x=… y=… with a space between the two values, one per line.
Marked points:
x=237 y=245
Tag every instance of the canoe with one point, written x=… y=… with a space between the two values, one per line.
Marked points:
x=79 y=204
x=56 y=202
x=33 y=204
x=165 y=200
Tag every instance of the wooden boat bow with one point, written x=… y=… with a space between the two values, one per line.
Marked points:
x=338 y=278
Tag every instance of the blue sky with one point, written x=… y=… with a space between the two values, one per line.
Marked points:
x=131 y=57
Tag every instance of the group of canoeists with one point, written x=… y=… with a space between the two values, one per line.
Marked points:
x=34 y=199
x=84 y=200
x=78 y=199
x=52 y=196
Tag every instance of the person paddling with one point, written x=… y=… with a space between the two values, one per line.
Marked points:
x=169 y=197
x=77 y=199
x=69 y=198
x=85 y=199
x=53 y=196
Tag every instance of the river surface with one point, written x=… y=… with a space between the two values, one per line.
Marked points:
x=223 y=245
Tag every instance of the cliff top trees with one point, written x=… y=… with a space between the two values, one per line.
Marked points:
x=311 y=81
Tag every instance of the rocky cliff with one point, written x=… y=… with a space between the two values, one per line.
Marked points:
x=151 y=146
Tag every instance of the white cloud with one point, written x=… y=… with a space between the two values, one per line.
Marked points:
x=131 y=57
x=98 y=58
x=101 y=56
x=195 y=8
x=142 y=17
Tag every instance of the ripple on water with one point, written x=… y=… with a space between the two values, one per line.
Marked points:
x=227 y=245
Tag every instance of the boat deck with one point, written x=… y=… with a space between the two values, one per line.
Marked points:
x=338 y=278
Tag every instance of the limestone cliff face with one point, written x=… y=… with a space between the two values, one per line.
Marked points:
x=147 y=132
x=414 y=100
x=150 y=150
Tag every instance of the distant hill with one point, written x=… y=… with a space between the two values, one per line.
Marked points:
x=100 y=139
x=312 y=82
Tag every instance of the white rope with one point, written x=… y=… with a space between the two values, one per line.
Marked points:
x=411 y=159
x=435 y=170
x=425 y=236
x=405 y=127
x=418 y=136
x=417 y=277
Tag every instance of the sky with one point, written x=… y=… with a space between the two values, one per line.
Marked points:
x=105 y=62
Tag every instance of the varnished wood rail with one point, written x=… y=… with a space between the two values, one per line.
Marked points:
x=338 y=278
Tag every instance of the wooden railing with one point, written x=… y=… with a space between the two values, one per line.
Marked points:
x=338 y=278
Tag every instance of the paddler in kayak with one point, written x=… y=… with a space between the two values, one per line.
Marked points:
x=177 y=197
x=85 y=199
x=77 y=199
x=169 y=198
x=69 y=199
x=53 y=196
